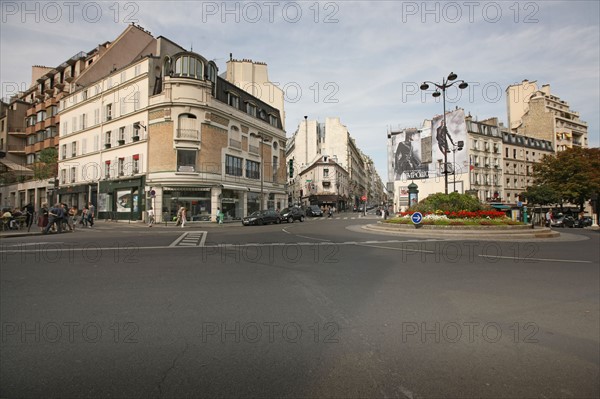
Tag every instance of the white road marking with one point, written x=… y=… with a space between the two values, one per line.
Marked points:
x=535 y=259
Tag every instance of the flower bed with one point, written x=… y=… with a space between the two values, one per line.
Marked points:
x=461 y=218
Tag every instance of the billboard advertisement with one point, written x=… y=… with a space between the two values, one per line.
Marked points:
x=445 y=139
x=407 y=156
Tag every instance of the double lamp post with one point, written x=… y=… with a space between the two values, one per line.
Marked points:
x=446 y=83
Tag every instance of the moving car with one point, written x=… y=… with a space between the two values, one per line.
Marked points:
x=586 y=221
x=291 y=214
x=564 y=221
x=314 y=210
x=262 y=217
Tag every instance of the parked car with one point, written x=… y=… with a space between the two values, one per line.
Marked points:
x=291 y=214
x=586 y=221
x=262 y=217
x=564 y=221
x=314 y=210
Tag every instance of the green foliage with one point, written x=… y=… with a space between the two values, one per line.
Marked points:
x=453 y=202
x=572 y=173
x=47 y=167
x=541 y=195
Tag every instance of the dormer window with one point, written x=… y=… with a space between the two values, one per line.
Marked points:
x=251 y=109
x=233 y=100
x=186 y=65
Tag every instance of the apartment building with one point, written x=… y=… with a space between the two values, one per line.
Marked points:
x=537 y=113
x=485 y=159
x=311 y=141
x=49 y=87
x=326 y=184
x=166 y=131
x=520 y=154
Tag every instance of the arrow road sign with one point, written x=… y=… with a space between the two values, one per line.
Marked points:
x=416 y=217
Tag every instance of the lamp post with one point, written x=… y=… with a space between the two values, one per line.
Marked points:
x=262 y=139
x=456 y=147
x=446 y=83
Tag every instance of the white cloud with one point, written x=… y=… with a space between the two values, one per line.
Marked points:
x=370 y=53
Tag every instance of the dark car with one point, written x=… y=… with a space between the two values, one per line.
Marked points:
x=564 y=221
x=291 y=214
x=262 y=217
x=586 y=221
x=314 y=210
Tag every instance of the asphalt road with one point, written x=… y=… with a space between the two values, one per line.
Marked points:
x=313 y=309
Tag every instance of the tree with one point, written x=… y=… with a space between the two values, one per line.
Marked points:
x=47 y=166
x=573 y=174
x=540 y=195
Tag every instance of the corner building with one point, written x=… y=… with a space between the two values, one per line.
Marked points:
x=210 y=144
x=166 y=131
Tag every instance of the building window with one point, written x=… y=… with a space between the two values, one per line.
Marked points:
x=63 y=151
x=122 y=135
x=252 y=169
x=275 y=162
x=325 y=172
x=186 y=160
x=108 y=112
x=137 y=70
x=135 y=163
x=63 y=176
x=273 y=120
x=73 y=174
x=121 y=166
x=96 y=116
x=107 y=169
x=30 y=158
x=251 y=109
x=107 y=139
x=233 y=165
x=74 y=149
x=233 y=100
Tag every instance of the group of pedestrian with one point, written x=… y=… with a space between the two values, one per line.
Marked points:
x=60 y=217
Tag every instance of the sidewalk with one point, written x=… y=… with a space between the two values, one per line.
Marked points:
x=107 y=225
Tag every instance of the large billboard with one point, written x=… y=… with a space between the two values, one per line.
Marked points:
x=446 y=138
x=407 y=156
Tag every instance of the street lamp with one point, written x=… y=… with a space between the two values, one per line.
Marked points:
x=455 y=147
x=262 y=139
x=445 y=84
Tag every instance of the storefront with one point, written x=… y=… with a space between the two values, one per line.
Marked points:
x=197 y=201
x=232 y=204
x=121 y=199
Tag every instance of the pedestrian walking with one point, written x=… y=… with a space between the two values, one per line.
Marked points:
x=91 y=214
x=55 y=216
x=150 y=217
x=43 y=217
x=219 y=216
x=72 y=217
x=179 y=212
x=183 y=216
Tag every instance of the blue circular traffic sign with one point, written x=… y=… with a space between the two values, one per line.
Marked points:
x=416 y=217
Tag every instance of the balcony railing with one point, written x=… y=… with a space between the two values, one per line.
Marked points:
x=188 y=134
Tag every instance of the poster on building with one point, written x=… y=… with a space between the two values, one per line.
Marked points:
x=124 y=201
x=103 y=202
x=407 y=156
x=446 y=139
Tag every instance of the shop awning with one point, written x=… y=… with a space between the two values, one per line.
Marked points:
x=11 y=166
x=500 y=206
x=234 y=187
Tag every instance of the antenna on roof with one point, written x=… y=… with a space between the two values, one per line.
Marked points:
x=192 y=47
x=230 y=56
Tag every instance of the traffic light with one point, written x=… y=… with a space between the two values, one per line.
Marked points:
x=291 y=163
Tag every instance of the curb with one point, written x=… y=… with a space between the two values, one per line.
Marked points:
x=478 y=234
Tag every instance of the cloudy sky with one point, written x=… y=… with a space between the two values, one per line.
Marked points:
x=360 y=61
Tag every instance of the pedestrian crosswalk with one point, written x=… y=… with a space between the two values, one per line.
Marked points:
x=190 y=239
